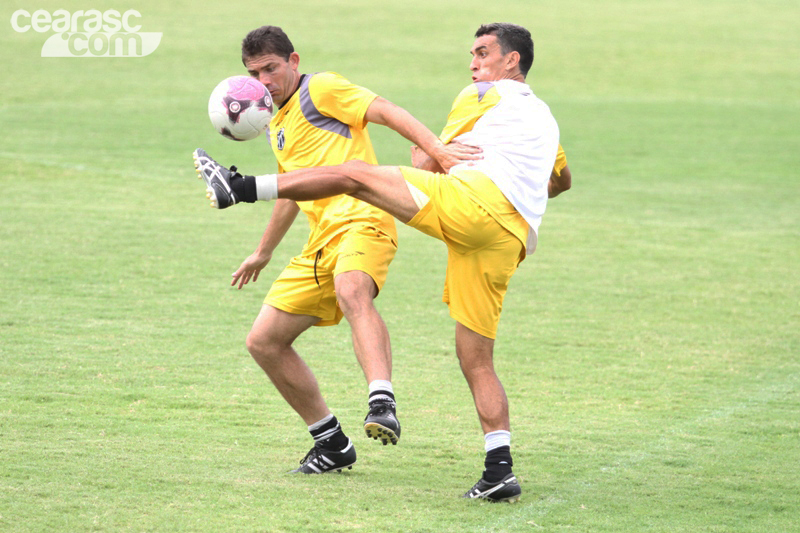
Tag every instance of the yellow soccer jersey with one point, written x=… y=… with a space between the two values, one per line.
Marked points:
x=519 y=138
x=323 y=124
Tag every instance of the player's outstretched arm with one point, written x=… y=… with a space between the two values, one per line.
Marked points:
x=283 y=215
x=384 y=112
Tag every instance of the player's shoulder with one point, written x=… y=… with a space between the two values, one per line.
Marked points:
x=481 y=93
x=477 y=89
x=327 y=78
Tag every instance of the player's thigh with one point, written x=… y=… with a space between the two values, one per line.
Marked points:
x=367 y=250
x=384 y=187
x=476 y=284
x=305 y=287
x=273 y=326
x=450 y=213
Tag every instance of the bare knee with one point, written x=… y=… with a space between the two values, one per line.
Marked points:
x=354 y=301
x=355 y=292
x=357 y=173
x=264 y=350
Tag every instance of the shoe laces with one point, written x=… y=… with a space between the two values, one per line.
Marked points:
x=312 y=454
x=380 y=407
x=233 y=174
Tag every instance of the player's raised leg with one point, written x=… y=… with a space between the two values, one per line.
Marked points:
x=270 y=343
x=382 y=186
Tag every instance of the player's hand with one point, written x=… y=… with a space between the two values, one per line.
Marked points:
x=453 y=153
x=250 y=269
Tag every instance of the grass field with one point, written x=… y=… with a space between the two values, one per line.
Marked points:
x=649 y=348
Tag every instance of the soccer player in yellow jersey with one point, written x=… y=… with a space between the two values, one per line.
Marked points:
x=487 y=211
x=322 y=120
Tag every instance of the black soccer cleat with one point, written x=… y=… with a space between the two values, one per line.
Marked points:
x=319 y=460
x=505 y=490
x=217 y=178
x=381 y=422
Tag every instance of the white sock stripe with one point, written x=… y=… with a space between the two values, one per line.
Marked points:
x=317 y=425
x=496 y=439
x=327 y=434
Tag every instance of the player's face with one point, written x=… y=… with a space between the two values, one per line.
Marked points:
x=488 y=62
x=278 y=75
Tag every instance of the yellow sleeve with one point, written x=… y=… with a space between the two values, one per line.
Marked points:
x=334 y=96
x=470 y=105
x=561 y=161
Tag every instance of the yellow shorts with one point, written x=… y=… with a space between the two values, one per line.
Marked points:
x=305 y=287
x=485 y=239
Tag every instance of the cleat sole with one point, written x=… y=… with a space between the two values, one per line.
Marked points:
x=379 y=432
x=209 y=191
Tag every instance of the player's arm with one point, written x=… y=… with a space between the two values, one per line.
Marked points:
x=559 y=182
x=423 y=161
x=382 y=111
x=468 y=107
x=560 y=177
x=283 y=214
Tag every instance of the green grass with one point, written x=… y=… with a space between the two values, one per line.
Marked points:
x=649 y=348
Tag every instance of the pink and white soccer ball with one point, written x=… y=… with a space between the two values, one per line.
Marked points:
x=240 y=108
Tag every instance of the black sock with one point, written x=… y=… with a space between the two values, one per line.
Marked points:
x=498 y=464
x=244 y=187
x=330 y=435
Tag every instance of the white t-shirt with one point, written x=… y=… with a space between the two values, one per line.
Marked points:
x=519 y=138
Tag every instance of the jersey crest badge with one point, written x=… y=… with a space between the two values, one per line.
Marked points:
x=281 y=139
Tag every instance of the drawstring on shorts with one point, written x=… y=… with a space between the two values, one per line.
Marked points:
x=316 y=260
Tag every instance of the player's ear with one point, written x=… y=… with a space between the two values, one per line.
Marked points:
x=294 y=60
x=512 y=60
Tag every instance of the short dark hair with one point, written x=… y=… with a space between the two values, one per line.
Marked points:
x=266 y=40
x=511 y=38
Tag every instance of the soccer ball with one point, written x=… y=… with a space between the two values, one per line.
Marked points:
x=240 y=108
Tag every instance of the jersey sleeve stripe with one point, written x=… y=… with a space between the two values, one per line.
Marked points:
x=483 y=88
x=317 y=119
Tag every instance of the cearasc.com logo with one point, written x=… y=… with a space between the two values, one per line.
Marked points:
x=89 y=33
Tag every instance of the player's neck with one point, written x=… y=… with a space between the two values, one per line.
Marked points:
x=298 y=82
x=514 y=76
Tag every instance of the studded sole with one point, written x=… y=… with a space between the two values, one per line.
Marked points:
x=209 y=191
x=379 y=432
